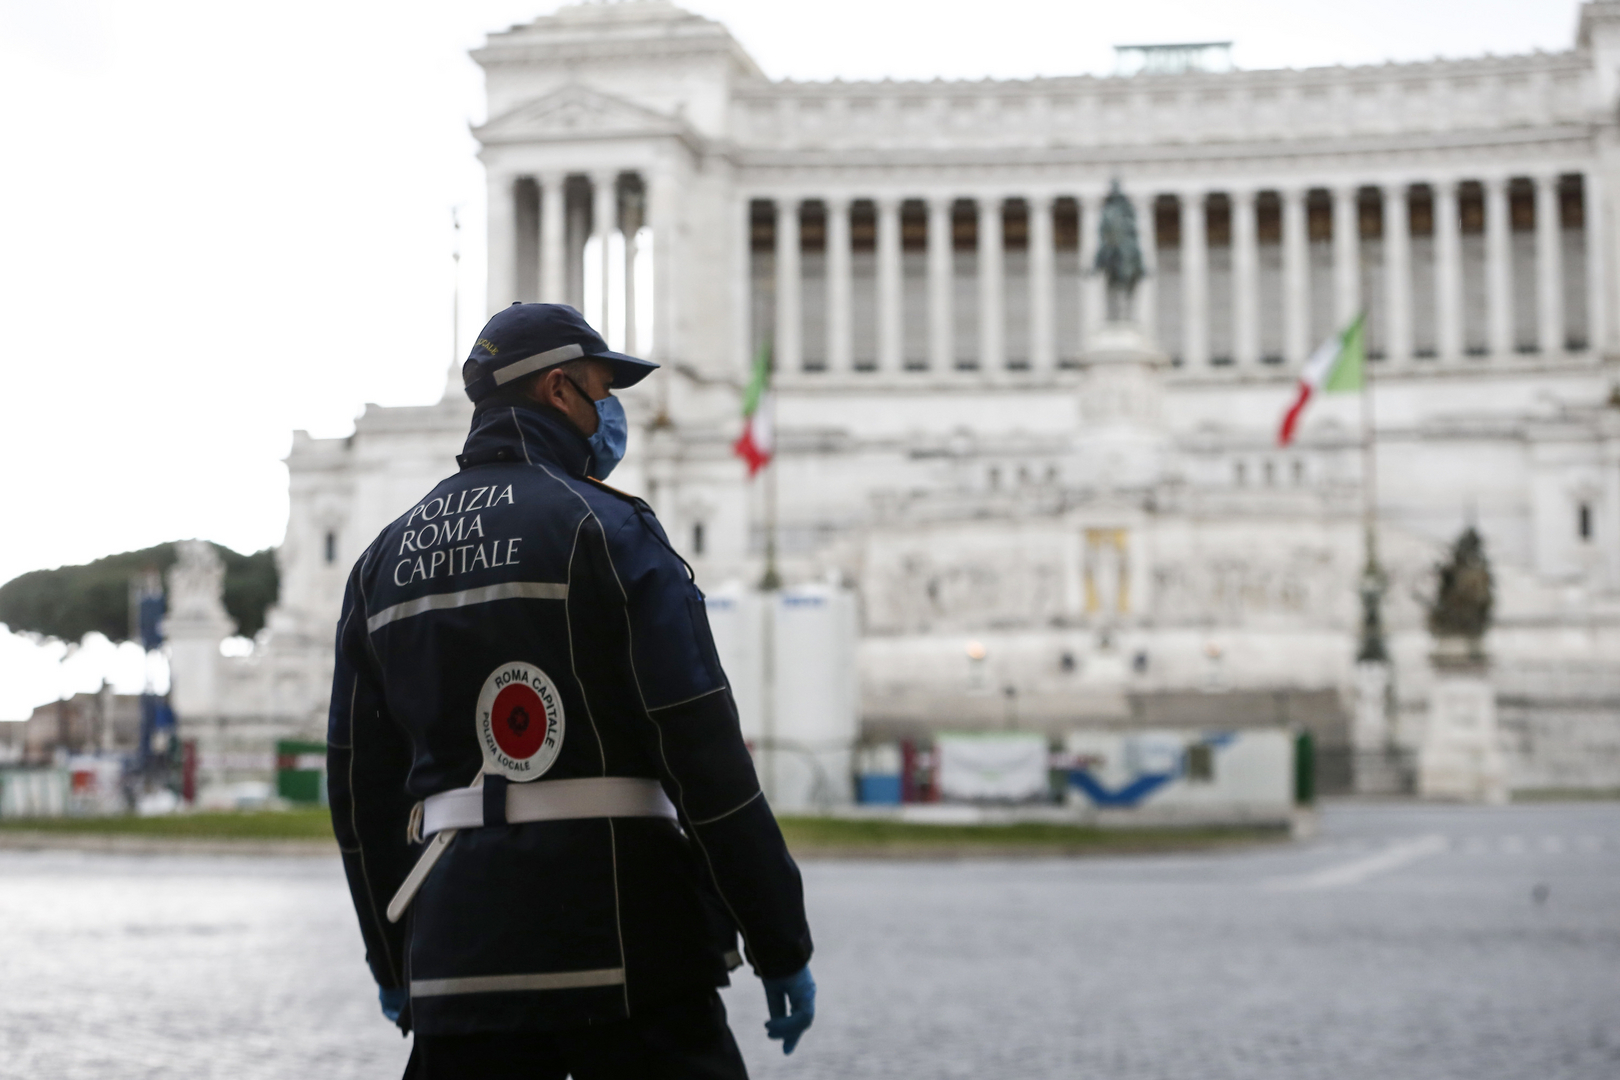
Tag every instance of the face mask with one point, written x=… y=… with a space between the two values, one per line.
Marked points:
x=612 y=435
x=612 y=432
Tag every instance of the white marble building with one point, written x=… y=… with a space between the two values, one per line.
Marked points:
x=1033 y=540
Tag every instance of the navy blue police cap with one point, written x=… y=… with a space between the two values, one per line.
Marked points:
x=526 y=338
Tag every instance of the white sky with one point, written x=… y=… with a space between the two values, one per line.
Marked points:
x=225 y=221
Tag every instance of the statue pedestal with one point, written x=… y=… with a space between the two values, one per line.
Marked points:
x=1371 y=731
x=1122 y=436
x=195 y=625
x=1376 y=764
x=1460 y=757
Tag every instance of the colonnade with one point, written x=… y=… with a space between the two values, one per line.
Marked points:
x=539 y=229
x=1449 y=271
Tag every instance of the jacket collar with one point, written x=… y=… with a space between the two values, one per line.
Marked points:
x=520 y=433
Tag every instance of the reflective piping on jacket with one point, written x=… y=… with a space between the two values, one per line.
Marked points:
x=510 y=590
x=519 y=368
x=497 y=984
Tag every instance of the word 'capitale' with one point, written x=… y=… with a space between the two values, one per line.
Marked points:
x=457 y=560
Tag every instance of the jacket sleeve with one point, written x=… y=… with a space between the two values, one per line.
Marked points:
x=367 y=760
x=693 y=731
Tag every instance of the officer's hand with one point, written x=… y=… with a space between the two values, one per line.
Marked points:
x=393 y=1002
x=799 y=991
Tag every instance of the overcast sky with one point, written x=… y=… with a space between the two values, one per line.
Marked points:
x=225 y=221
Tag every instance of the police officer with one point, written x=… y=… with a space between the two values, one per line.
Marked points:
x=550 y=824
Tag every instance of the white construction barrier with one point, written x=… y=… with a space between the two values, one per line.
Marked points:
x=1230 y=776
x=97 y=785
x=803 y=737
x=33 y=793
x=992 y=767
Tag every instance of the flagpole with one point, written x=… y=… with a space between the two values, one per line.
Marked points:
x=1373 y=580
x=455 y=288
x=1369 y=464
x=769 y=583
x=772 y=580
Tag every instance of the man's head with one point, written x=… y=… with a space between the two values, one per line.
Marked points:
x=572 y=388
x=525 y=340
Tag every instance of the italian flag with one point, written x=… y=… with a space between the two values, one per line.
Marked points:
x=1338 y=364
x=756 y=443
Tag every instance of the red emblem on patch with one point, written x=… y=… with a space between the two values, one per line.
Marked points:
x=518 y=721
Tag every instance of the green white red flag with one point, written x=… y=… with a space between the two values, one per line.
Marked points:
x=757 y=442
x=1339 y=364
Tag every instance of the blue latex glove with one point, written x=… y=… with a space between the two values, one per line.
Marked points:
x=393 y=1001
x=799 y=991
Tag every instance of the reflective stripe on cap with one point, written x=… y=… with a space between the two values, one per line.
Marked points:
x=551 y=357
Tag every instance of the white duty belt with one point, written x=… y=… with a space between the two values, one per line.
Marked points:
x=546 y=800
x=550 y=800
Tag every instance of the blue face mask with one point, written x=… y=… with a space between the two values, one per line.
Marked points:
x=612 y=436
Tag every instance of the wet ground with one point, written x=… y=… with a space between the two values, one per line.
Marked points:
x=1405 y=942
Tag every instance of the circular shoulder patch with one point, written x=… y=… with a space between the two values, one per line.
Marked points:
x=520 y=721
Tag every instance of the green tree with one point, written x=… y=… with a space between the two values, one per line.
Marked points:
x=71 y=601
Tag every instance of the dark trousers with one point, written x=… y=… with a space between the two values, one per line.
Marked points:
x=685 y=1038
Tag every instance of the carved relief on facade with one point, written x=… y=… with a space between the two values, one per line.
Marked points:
x=1237 y=585
x=961 y=578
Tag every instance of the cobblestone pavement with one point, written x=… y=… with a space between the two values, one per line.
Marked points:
x=1405 y=943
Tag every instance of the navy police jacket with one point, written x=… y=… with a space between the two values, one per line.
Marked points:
x=521 y=563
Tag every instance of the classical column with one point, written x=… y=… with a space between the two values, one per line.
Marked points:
x=991 y=317
x=1448 y=271
x=1194 y=280
x=888 y=283
x=1147 y=293
x=632 y=212
x=940 y=342
x=553 y=237
x=604 y=222
x=577 y=237
x=1042 y=345
x=1608 y=523
x=663 y=202
x=1498 y=267
x=787 y=344
x=500 y=217
x=1346 y=256
x=742 y=285
x=1296 y=277
x=1093 y=289
x=1597 y=276
x=1398 y=272
x=839 y=351
x=1549 y=267
x=1245 y=280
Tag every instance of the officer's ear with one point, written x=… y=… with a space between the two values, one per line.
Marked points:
x=546 y=387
